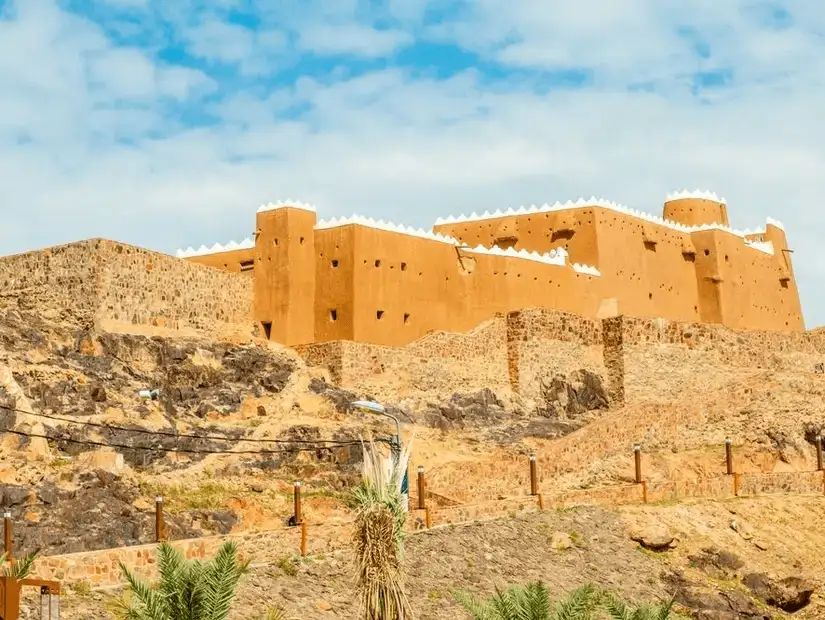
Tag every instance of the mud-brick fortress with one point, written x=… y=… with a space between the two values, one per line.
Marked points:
x=371 y=281
x=302 y=281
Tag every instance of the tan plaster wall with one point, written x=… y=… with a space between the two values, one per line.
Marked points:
x=284 y=274
x=228 y=261
x=401 y=287
x=695 y=212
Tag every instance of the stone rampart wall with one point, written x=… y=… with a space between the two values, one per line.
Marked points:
x=438 y=362
x=61 y=282
x=139 y=287
x=122 y=287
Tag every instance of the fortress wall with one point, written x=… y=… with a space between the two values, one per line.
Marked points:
x=334 y=276
x=573 y=229
x=644 y=267
x=655 y=270
x=231 y=261
x=405 y=286
x=140 y=287
x=544 y=343
x=60 y=280
x=751 y=293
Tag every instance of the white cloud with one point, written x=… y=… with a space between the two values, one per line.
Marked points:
x=87 y=147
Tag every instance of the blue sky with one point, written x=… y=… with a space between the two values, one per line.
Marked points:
x=166 y=123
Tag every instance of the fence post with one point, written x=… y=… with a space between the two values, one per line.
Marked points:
x=422 y=502
x=819 y=452
x=534 y=478
x=7 y=537
x=637 y=457
x=160 y=526
x=729 y=455
x=303 y=539
x=297 y=503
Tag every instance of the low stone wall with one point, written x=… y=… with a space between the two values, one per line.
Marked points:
x=102 y=568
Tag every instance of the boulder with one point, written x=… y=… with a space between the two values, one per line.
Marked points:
x=654 y=538
x=789 y=594
x=566 y=398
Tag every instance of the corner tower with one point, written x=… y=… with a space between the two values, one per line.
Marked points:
x=284 y=274
x=695 y=208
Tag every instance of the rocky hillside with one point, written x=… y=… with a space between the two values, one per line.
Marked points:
x=748 y=558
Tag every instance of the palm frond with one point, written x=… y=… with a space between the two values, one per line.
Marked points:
x=477 y=608
x=21 y=567
x=579 y=605
x=221 y=577
x=146 y=601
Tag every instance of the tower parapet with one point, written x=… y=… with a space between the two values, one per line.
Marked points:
x=696 y=208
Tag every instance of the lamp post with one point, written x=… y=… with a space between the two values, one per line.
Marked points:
x=395 y=445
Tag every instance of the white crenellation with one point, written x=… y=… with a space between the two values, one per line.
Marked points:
x=285 y=204
x=586 y=269
x=246 y=244
x=553 y=257
x=696 y=193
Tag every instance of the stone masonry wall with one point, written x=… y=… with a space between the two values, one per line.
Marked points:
x=121 y=286
x=543 y=343
x=438 y=362
x=663 y=360
x=140 y=287
x=61 y=281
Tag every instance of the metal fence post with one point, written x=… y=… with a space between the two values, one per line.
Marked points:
x=297 y=512
x=729 y=455
x=637 y=457
x=534 y=478
x=422 y=501
x=7 y=537
x=160 y=526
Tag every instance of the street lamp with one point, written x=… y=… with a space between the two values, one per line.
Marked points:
x=379 y=409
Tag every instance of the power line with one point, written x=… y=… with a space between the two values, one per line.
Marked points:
x=115 y=427
x=90 y=442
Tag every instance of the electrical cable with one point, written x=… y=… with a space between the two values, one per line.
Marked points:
x=115 y=427
x=90 y=442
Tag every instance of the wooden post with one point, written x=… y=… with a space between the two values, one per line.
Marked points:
x=160 y=526
x=422 y=501
x=541 y=502
x=7 y=537
x=303 y=539
x=736 y=484
x=11 y=598
x=297 y=503
x=819 y=453
x=534 y=478
x=729 y=455
x=427 y=519
x=637 y=456
x=644 y=491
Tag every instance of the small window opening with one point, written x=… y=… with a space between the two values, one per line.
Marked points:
x=275 y=241
x=406 y=318
x=403 y=266
x=377 y=263
x=267 y=330
x=379 y=314
x=333 y=315
x=335 y=262
x=301 y=241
